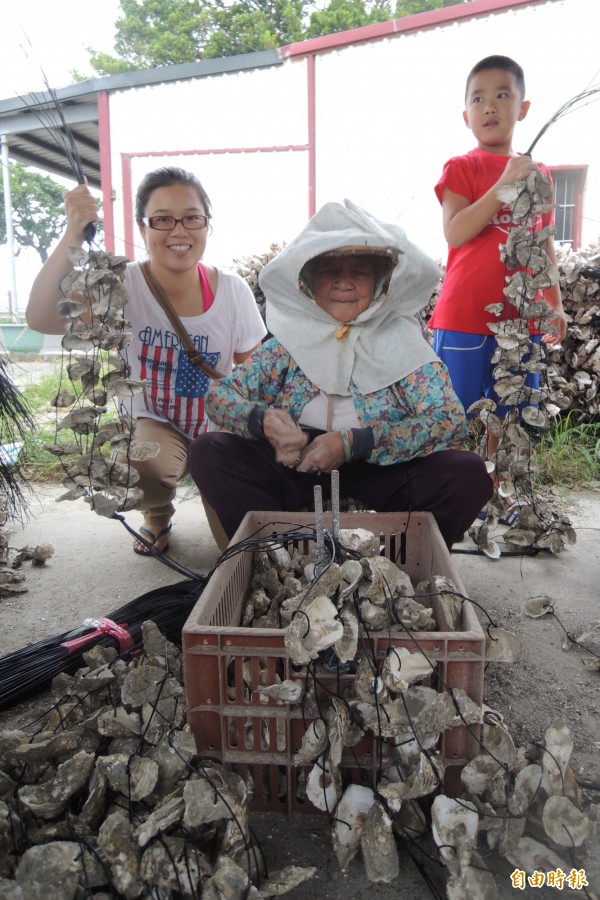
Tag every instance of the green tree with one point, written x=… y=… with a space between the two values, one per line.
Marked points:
x=254 y=25
x=411 y=7
x=152 y=33
x=38 y=210
x=342 y=15
x=156 y=33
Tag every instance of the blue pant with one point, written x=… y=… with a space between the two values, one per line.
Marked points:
x=468 y=358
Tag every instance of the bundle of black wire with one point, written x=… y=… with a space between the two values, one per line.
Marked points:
x=26 y=672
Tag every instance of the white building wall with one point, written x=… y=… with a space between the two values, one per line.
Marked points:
x=216 y=127
x=388 y=115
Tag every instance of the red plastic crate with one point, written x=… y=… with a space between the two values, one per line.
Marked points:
x=224 y=663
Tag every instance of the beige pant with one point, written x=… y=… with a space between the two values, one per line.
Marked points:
x=159 y=477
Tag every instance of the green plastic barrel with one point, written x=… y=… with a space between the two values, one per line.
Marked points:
x=17 y=338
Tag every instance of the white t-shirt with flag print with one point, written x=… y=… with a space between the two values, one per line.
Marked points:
x=175 y=388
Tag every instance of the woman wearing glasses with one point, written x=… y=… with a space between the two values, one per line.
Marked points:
x=217 y=310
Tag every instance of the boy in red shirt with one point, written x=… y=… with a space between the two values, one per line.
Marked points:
x=475 y=224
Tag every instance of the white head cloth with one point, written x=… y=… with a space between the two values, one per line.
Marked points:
x=384 y=343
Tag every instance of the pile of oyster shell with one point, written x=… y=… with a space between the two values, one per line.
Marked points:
x=98 y=416
x=367 y=587
x=249 y=269
x=106 y=797
x=574 y=369
x=522 y=803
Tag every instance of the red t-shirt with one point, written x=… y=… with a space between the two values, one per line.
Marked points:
x=475 y=275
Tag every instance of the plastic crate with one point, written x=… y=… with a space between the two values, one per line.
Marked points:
x=224 y=663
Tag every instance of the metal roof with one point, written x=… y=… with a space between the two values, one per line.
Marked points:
x=35 y=136
x=32 y=124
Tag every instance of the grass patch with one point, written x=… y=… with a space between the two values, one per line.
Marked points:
x=36 y=463
x=567 y=454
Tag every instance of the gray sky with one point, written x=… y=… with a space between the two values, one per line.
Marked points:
x=53 y=36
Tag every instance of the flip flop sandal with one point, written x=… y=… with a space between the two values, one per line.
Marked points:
x=511 y=515
x=152 y=539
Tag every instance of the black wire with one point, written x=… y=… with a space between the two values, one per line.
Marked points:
x=561 y=111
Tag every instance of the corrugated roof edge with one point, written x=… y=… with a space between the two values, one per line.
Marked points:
x=141 y=77
x=405 y=25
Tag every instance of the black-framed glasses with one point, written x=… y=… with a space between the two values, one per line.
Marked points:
x=168 y=223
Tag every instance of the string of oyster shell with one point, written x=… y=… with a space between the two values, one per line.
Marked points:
x=95 y=288
x=516 y=355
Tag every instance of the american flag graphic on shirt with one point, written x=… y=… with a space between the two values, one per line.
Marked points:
x=175 y=387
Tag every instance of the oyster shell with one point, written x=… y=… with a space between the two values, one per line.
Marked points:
x=283 y=880
x=145 y=684
x=498 y=741
x=134 y=778
x=374 y=618
x=402 y=668
x=44 y=871
x=163 y=816
x=479 y=772
x=173 y=865
x=412 y=615
x=347 y=646
x=323 y=786
x=532 y=856
x=502 y=646
x=428 y=777
x=350 y=815
x=313 y=744
x=352 y=572
x=558 y=746
x=121 y=852
x=535 y=607
x=312 y=629
x=445 y=712
x=286 y=692
x=367 y=684
x=359 y=540
x=143 y=450
x=477 y=883
x=48 y=799
x=454 y=826
x=378 y=846
x=564 y=823
x=206 y=802
x=338 y=721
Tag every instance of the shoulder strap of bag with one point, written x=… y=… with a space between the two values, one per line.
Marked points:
x=194 y=357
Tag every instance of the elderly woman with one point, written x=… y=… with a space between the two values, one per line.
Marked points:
x=347 y=382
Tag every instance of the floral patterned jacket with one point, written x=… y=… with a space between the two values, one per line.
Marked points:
x=414 y=417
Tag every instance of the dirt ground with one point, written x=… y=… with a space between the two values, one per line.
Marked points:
x=94 y=570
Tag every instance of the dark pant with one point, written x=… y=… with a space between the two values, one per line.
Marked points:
x=237 y=475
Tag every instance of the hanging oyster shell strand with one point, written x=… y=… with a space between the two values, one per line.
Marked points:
x=100 y=386
x=537 y=526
